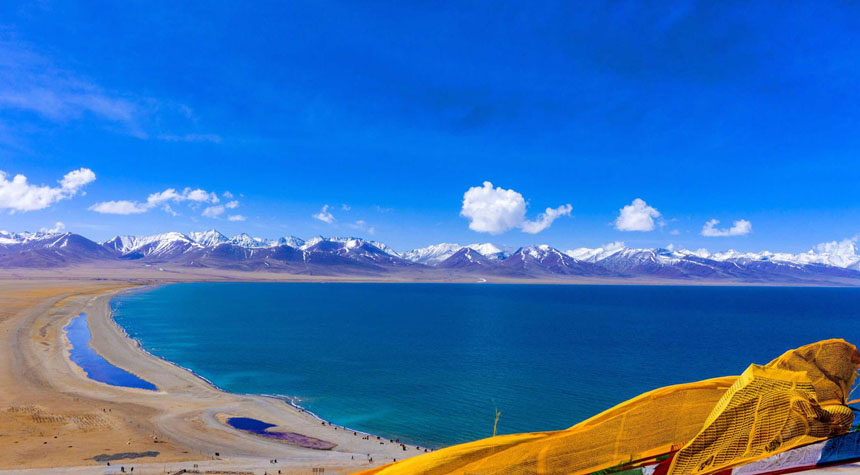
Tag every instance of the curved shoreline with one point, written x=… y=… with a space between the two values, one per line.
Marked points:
x=138 y=346
x=179 y=422
x=283 y=398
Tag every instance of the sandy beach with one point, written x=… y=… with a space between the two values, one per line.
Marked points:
x=53 y=415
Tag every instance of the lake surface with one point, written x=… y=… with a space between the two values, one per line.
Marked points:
x=430 y=363
x=96 y=367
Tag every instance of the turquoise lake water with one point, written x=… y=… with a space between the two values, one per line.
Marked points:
x=429 y=363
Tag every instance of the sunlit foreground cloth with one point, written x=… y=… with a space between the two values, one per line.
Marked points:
x=695 y=428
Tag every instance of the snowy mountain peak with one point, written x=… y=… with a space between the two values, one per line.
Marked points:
x=385 y=248
x=436 y=253
x=247 y=241
x=7 y=237
x=490 y=251
x=433 y=254
x=312 y=242
x=208 y=238
x=291 y=241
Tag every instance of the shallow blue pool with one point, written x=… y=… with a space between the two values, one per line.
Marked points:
x=96 y=367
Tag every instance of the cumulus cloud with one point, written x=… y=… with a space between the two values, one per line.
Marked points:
x=236 y=217
x=227 y=195
x=739 y=228
x=232 y=204
x=845 y=247
x=325 y=215
x=345 y=207
x=213 y=211
x=58 y=228
x=637 y=216
x=495 y=210
x=19 y=195
x=154 y=200
x=75 y=180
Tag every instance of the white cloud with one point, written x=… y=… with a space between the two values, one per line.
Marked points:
x=325 y=215
x=345 y=207
x=213 y=211
x=119 y=207
x=845 y=247
x=58 y=228
x=169 y=194
x=613 y=246
x=200 y=196
x=232 y=204
x=227 y=195
x=76 y=179
x=236 y=217
x=545 y=219
x=495 y=210
x=637 y=216
x=674 y=232
x=19 y=195
x=670 y=247
x=154 y=200
x=739 y=228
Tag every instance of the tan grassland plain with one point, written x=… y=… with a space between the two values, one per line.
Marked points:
x=54 y=419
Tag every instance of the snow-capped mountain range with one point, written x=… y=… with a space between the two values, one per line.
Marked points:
x=347 y=255
x=432 y=255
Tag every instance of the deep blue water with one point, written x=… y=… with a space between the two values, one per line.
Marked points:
x=96 y=367
x=429 y=363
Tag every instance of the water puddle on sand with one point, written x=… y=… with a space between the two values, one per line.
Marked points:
x=258 y=427
x=96 y=367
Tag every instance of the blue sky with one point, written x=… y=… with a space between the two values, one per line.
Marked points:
x=396 y=109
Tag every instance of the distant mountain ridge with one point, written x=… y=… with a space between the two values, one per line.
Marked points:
x=355 y=256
